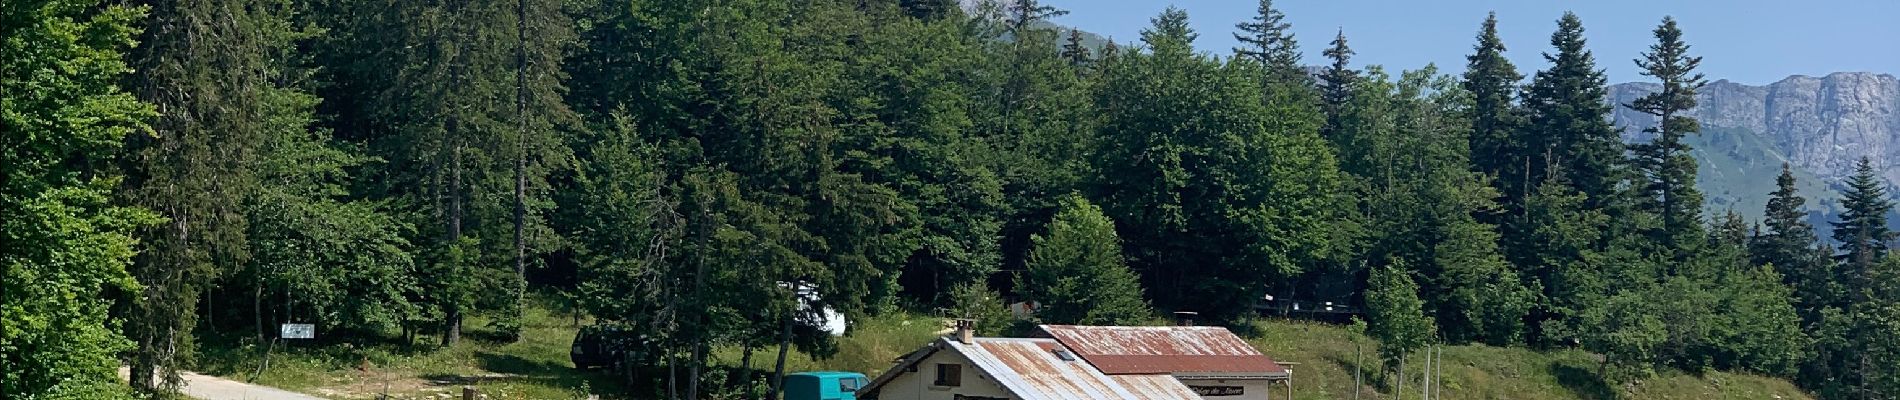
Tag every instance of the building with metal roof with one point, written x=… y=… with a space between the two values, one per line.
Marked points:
x=1083 y=362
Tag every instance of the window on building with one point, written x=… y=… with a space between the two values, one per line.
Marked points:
x=949 y=375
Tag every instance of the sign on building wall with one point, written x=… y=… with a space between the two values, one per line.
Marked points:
x=1219 y=390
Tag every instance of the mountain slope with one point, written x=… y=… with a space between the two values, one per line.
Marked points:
x=1819 y=126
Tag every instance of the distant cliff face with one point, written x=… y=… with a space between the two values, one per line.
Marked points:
x=1820 y=125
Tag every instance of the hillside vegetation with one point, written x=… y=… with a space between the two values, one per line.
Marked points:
x=712 y=179
x=1325 y=358
x=537 y=367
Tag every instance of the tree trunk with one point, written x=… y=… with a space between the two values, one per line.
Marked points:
x=521 y=156
x=745 y=372
x=452 y=322
x=672 y=374
x=700 y=338
x=1438 y=389
x=784 y=345
x=699 y=360
x=1398 y=390
x=1358 y=370
x=257 y=306
x=1424 y=377
x=452 y=329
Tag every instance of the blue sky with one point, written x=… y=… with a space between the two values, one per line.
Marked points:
x=1748 y=41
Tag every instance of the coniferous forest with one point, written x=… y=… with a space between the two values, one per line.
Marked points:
x=689 y=170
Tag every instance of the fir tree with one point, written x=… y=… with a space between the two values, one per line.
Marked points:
x=932 y=9
x=1169 y=33
x=1789 y=243
x=1668 y=170
x=1862 y=231
x=1495 y=118
x=1267 y=40
x=1568 y=126
x=1024 y=14
x=1076 y=275
x=1336 y=82
x=1076 y=53
x=206 y=68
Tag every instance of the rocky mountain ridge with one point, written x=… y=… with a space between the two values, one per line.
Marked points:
x=1819 y=124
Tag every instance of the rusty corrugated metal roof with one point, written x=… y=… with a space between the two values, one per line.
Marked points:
x=1031 y=369
x=1155 y=385
x=1177 y=350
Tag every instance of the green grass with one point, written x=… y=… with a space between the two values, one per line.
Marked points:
x=869 y=349
x=537 y=367
x=1326 y=357
x=534 y=367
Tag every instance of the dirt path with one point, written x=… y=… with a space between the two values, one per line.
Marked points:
x=206 y=387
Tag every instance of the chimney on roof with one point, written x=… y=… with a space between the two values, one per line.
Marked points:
x=1185 y=318
x=966 y=330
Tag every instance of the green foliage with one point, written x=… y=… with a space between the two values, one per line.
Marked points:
x=1336 y=82
x=1267 y=41
x=1788 y=243
x=1862 y=232
x=315 y=253
x=1218 y=193
x=1666 y=185
x=466 y=104
x=1568 y=131
x=1075 y=274
x=628 y=229
x=1494 y=114
x=1560 y=250
x=977 y=302
x=1395 y=315
x=1627 y=330
x=714 y=174
x=64 y=244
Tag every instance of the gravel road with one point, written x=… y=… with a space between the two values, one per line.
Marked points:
x=206 y=387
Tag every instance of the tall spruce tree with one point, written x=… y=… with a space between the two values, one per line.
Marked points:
x=1031 y=107
x=1789 y=243
x=1075 y=52
x=1667 y=185
x=66 y=245
x=1568 y=127
x=1863 y=232
x=1267 y=40
x=1495 y=117
x=1336 y=82
x=206 y=68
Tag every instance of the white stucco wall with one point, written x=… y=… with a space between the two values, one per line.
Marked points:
x=1253 y=389
x=917 y=385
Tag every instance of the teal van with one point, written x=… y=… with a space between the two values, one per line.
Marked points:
x=824 y=385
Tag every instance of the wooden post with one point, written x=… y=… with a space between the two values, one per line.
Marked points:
x=1425 y=377
x=468 y=393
